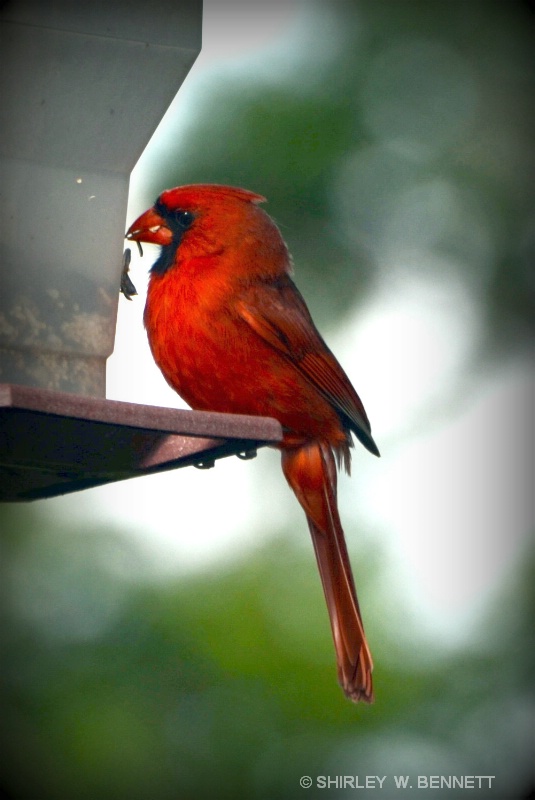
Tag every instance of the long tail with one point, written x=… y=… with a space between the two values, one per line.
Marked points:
x=311 y=472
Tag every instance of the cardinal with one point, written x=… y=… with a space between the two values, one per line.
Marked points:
x=231 y=332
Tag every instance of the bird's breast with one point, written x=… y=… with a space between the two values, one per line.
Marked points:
x=216 y=362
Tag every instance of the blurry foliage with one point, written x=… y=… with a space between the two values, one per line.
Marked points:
x=223 y=685
x=273 y=140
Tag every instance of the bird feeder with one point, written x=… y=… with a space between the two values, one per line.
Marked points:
x=84 y=85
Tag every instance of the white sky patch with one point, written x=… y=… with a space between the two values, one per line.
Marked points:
x=405 y=351
x=445 y=499
x=456 y=507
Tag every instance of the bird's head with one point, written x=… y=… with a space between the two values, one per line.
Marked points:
x=205 y=220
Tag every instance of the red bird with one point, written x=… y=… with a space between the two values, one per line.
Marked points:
x=231 y=332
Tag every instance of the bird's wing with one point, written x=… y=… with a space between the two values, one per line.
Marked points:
x=277 y=312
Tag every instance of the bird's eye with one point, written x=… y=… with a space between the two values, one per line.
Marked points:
x=184 y=218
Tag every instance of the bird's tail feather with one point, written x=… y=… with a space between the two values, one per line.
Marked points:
x=311 y=472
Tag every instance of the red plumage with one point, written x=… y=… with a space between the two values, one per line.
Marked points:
x=231 y=332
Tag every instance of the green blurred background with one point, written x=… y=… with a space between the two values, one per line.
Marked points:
x=395 y=146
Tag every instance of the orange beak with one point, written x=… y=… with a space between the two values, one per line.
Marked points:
x=150 y=228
